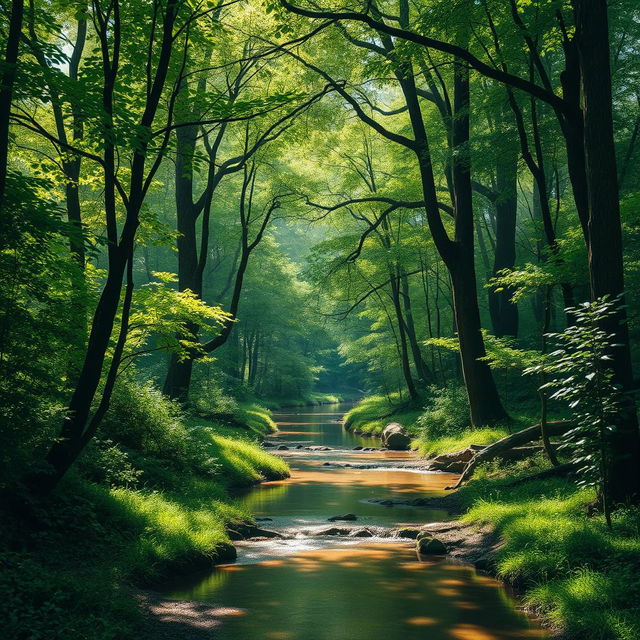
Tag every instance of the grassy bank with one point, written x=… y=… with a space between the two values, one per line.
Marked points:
x=70 y=566
x=373 y=413
x=578 y=575
x=438 y=422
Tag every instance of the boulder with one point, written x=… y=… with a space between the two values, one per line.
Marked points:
x=358 y=448
x=395 y=437
x=430 y=546
x=283 y=447
x=424 y=533
x=345 y=517
x=408 y=532
x=318 y=448
x=332 y=531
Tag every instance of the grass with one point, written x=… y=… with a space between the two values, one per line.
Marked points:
x=449 y=444
x=68 y=570
x=257 y=418
x=577 y=574
x=242 y=462
x=373 y=413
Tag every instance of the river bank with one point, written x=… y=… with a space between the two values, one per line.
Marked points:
x=152 y=500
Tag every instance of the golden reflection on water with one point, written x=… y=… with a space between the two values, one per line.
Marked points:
x=372 y=591
x=394 y=481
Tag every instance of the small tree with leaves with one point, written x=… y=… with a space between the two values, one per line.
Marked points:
x=579 y=373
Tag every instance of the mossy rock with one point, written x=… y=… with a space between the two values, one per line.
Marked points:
x=430 y=546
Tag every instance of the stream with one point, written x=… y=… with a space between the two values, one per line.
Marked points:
x=309 y=586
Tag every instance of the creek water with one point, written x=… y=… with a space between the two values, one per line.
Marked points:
x=310 y=587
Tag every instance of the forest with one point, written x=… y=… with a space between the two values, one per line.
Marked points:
x=306 y=304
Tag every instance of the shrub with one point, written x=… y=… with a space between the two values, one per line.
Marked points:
x=150 y=428
x=105 y=462
x=447 y=414
x=212 y=401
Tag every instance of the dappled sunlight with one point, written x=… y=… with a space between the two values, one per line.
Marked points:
x=421 y=621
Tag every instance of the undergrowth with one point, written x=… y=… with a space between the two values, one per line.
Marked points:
x=149 y=499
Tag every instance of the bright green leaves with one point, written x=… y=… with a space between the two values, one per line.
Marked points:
x=165 y=317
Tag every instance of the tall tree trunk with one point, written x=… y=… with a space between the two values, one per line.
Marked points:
x=484 y=400
x=404 y=351
x=422 y=369
x=458 y=255
x=504 y=313
x=179 y=371
x=7 y=80
x=605 y=234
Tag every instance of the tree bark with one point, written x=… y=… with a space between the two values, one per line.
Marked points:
x=605 y=235
x=421 y=366
x=6 y=87
x=504 y=312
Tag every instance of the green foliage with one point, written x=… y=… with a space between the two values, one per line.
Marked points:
x=501 y=352
x=164 y=314
x=447 y=413
x=105 y=462
x=36 y=323
x=583 y=379
x=150 y=427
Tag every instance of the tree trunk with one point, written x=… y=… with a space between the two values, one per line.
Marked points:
x=404 y=351
x=6 y=86
x=178 y=378
x=504 y=313
x=421 y=366
x=484 y=401
x=605 y=234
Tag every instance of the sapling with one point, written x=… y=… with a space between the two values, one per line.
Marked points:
x=578 y=372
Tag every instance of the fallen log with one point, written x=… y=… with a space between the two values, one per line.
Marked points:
x=519 y=438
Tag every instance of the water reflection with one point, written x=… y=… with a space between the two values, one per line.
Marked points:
x=364 y=592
